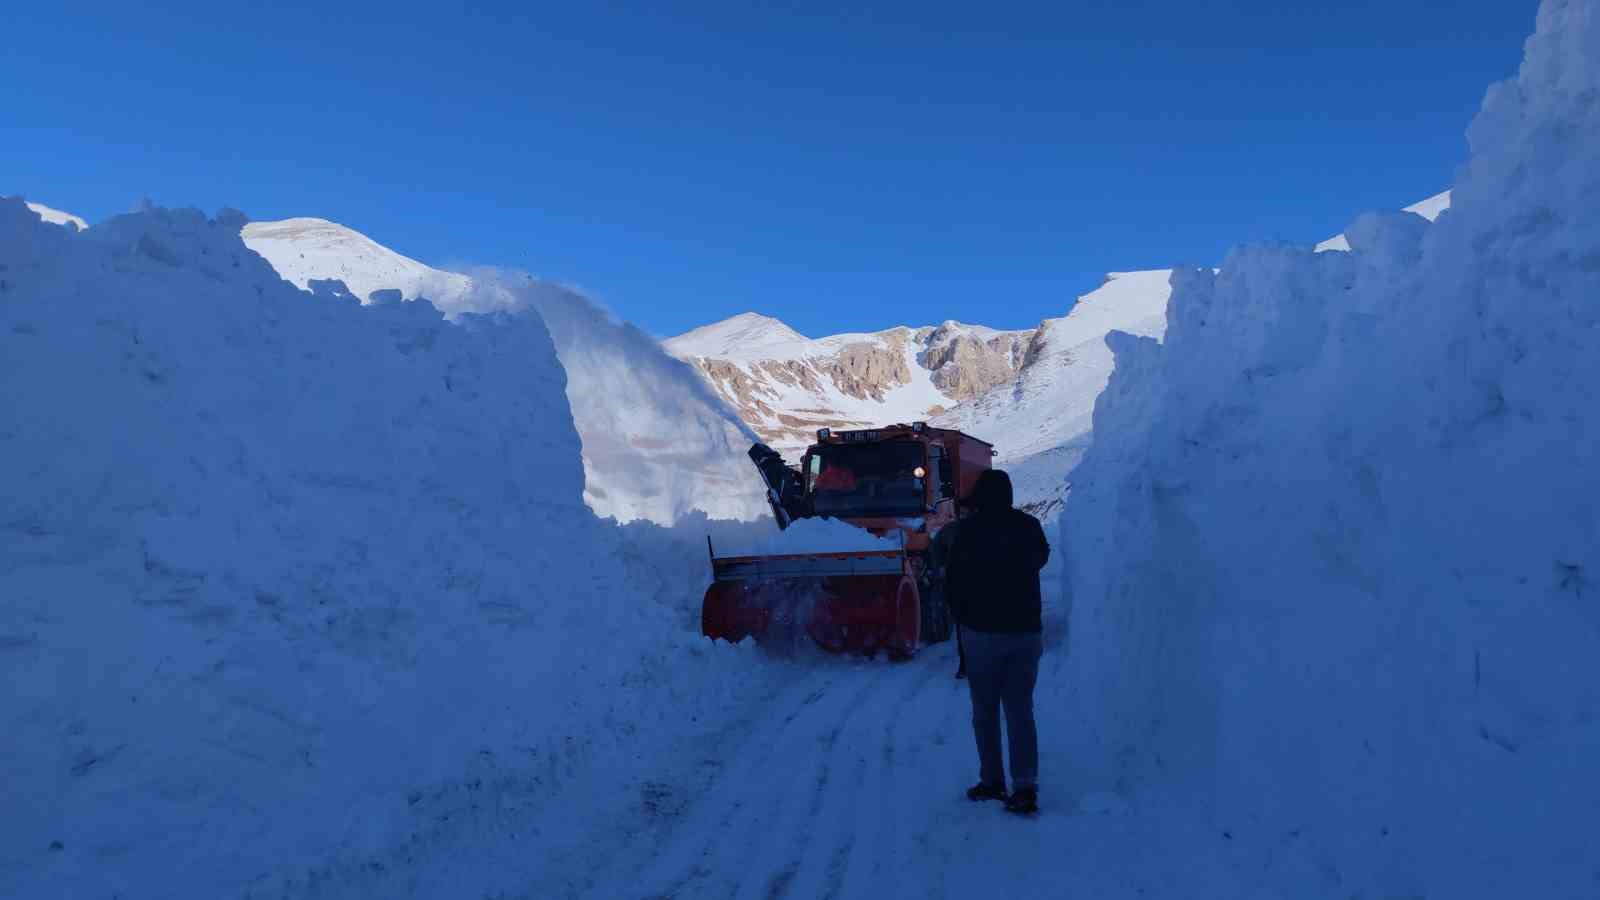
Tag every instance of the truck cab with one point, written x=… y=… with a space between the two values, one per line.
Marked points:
x=904 y=477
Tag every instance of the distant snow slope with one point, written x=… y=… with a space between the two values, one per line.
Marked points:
x=1040 y=423
x=785 y=385
x=57 y=217
x=656 y=442
x=744 y=336
x=305 y=249
x=1430 y=209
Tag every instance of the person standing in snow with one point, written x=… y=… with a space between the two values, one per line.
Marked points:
x=993 y=586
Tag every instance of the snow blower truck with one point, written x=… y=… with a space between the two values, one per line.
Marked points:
x=899 y=481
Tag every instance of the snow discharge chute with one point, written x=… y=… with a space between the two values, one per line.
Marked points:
x=850 y=567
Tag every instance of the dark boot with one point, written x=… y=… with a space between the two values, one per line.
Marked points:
x=1025 y=802
x=981 y=791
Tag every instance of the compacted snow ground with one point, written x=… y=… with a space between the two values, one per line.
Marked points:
x=821 y=776
x=845 y=777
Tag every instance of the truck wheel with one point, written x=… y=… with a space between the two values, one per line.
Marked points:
x=909 y=617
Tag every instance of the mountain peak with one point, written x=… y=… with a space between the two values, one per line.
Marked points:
x=306 y=248
x=56 y=216
x=734 y=336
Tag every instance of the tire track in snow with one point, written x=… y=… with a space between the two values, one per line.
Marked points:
x=797 y=800
x=863 y=812
x=627 y=847
x=710 y=853
x=807 y=793
x=909 y=781
x=784 y=850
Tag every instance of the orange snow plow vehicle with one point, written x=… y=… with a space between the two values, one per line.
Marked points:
x=898 y=482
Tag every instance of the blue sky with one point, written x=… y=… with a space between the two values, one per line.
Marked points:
x=841 y=168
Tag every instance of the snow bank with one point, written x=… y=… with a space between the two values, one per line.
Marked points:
x=818 y=535
x=292 y=588
x=658 y=444
x=1334 y=553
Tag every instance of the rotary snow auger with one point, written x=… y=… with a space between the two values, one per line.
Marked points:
x=898 y=480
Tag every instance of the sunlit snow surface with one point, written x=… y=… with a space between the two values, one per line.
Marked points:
x=304 y=249
x=57 y=217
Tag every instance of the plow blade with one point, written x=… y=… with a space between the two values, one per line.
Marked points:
x=860 y=602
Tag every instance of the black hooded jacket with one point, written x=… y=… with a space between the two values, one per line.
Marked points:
x=993 y=575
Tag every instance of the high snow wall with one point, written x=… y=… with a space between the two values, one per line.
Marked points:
x=658 y=444
x=1334 y=555
x=289 y=585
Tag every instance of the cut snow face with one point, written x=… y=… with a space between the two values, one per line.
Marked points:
x=1331 y=556
x=285 y=581
x=818 y=535
x=656 y=442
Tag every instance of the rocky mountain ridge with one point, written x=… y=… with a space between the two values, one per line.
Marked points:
x=786 y=386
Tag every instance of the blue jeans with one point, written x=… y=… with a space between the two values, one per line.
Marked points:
x=1001 y=672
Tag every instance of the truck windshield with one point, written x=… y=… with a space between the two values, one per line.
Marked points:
x=868 y=479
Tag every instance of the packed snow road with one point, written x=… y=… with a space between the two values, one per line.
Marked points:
x=823 y=776
x=841 y=788
x=849 y=782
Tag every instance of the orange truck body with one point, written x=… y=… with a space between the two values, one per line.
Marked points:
x=854 y=601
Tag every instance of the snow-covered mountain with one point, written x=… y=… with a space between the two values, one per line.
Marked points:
x=56 y=216
x=656 y=442
x=306 y=249
x=785 y=385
